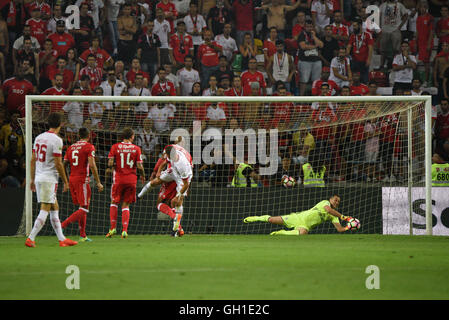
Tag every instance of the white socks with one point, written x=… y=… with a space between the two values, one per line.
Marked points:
x=56 y=224
x=144 y=189
x=38 y=224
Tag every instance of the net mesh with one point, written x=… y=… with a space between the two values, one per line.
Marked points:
x=353 y=148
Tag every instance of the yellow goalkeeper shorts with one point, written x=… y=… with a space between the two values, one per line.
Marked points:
x=295 y=220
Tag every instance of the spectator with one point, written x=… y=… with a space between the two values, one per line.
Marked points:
x=224 y=72
x=196 y=90
x=236 y=90
x=73 y=112
x=281 y=66
x=211 y=90
x=162 y=29
x=73 y=62
x=269 y=45
x=170 y=12
x=27 y=53
x=163 y=87
x=56 y=90
x=112 y=87
x=43 y=7
x=181 y=45
x=218 y=17
x=442 y=27
x=441 y=63
x=103 y=59
x=148 y=50
x=316 y=85
x=38 y=26
x=19 y=42
x=228 y=43
x=30 y=74
x=393 y=15
x=371 y=149
x=243 y=11
x=425 y=32
x=416 y=87
x=112 y=12
x=84 y=85
x=67 y=75
x=442 y=131
x=86 y=28
x=182 y=7
x=403 y=65
x=341 y=69
x=127 y=28
x=148 y=141
x=195 y=23
x=6 y=178
x=119 y=68
x=251 y=76
x=357 y=88
x=139 y=89
x=136 y=69
x=162 y=116
x=96 y=110
x=187 y=76
x=276 y=16
x=340 y=32
x=324 y=92
x=14 y=91
x=15 y=16
x=322 y=12
x=47 y=58
x=215 y=117
x=208 y=54
x=360 y=47
x=57 y=15
x=98 y=14
x=330 y=47
x=12 y=137
x=62 y=41
x=300 y=24
x=372 y=86
x=309 y=62
x=388 y=129
x=248 y=50
x=303 y=143
x=94 y=73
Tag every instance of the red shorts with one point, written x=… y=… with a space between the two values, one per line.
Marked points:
x=80 y=190
x=168 y=191
x=423 y=53
x=123 y=193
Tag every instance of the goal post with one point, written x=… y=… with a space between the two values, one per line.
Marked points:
x=410 y=109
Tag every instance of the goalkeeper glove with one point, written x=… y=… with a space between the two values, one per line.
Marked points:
x=348 y=227
x=345 y=218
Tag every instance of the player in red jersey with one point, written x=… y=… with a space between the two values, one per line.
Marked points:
x=179 y=170
x=127 y=158
x=80 y=156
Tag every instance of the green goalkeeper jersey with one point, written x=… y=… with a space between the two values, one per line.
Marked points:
x=309 y=219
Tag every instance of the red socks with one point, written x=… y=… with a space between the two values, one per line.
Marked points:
x=162 y=207
x=113 y=213
x=125 y=219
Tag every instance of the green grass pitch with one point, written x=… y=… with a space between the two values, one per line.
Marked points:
x=228 y=267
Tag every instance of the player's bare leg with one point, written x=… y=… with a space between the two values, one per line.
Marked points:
x=113 y=213
x=179 y=210
x=152 y=183
x=125 y=219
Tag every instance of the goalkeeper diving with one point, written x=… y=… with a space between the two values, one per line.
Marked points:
x=304 y=221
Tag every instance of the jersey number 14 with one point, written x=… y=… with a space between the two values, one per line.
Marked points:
x=129 y=162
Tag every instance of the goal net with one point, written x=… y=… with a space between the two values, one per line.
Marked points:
x=371 y=151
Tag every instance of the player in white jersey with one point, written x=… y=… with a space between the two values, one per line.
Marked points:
x=179 y=169
x=46 y=167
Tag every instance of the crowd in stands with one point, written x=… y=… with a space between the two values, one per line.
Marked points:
x=224 y=48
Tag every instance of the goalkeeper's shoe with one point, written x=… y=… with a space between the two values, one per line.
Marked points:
x=251 y=219
x=85 y=239
x=111 y=233
x=124 y=235
x=67 y=243
x=177 y=221
x=30 y=243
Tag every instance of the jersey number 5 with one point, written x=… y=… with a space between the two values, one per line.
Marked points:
x=75 y=158
x=129 y=162
x=41 y=152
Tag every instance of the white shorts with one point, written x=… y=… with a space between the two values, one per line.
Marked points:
x=170 y=175
x=46 y=192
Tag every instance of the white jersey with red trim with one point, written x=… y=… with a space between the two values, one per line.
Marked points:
x=47 y=146
x=184 y=165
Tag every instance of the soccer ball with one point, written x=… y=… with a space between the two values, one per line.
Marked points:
x=288 y=182
x=354 y=224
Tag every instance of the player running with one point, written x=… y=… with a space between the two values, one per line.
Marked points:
x=127 y=158
x=80 y=156
x=180 y=170
x=303 y=222
x=46 y=167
